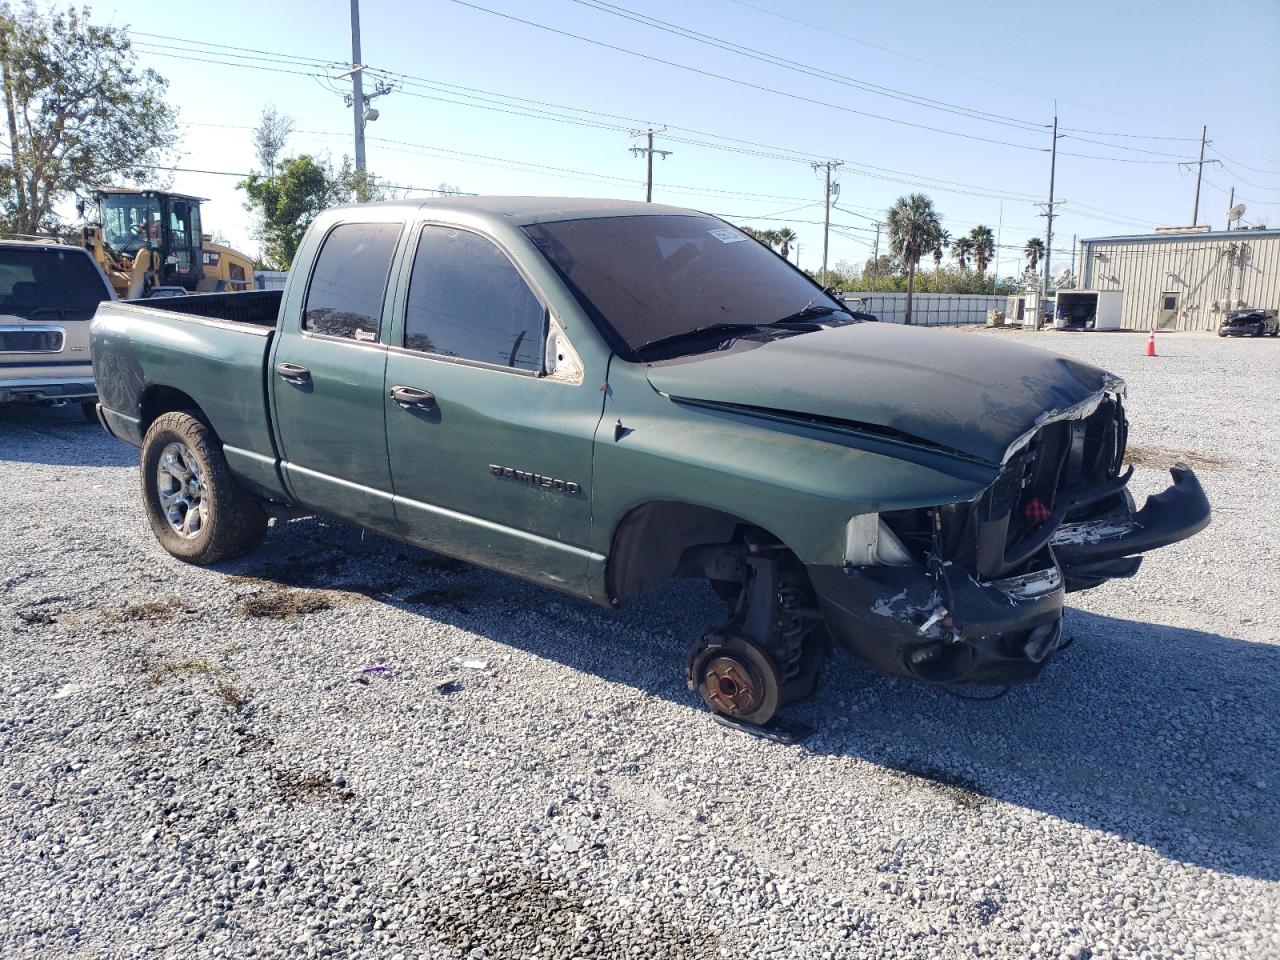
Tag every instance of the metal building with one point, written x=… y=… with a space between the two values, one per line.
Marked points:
x=1184 y=280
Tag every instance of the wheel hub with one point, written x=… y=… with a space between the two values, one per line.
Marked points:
x=733 y=686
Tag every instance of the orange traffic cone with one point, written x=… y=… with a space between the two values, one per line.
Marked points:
x=1151 y=343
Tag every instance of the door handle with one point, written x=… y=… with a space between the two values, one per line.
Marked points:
x=293 y=372
x=411 y=398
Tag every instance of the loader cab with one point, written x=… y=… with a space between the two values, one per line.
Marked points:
x=166 y=224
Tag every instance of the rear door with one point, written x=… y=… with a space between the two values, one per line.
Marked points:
x=490 y=457
x=327 y=375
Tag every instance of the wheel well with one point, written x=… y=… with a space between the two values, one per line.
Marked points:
x=160 y=399
x=664 y=539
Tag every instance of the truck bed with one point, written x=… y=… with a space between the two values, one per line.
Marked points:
x=257 y=307
x=211 y=348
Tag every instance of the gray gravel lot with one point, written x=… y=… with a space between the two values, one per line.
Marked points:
x=282 y=757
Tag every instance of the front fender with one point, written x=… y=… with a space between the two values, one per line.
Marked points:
x=802 y=483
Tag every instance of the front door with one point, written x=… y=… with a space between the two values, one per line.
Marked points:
x=491 y=459
x=327 y=379
x=1170 y=304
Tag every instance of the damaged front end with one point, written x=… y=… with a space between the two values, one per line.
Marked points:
x=973 y=592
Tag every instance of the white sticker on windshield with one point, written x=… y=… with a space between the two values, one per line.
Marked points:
x=727 y=235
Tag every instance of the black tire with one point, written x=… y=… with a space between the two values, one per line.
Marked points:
x=90 y=410
x=219 y=518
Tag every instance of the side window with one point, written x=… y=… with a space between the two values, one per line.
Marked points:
x=349 y=281
x=467 y=300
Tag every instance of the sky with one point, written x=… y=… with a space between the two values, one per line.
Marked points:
x=952 y=100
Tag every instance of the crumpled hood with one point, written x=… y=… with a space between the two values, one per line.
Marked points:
x=974 y=394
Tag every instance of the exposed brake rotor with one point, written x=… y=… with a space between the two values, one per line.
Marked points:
x=735 y=677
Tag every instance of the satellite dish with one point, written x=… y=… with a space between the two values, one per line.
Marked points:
x=1235 y=213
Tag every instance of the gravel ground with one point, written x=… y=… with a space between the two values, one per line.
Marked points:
x=283 y=756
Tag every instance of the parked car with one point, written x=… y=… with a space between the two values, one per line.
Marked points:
x=1250 y=323
x=48 y=294
x=598 y=396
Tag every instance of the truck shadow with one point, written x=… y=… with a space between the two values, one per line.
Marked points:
x=60 y=437
x=1163 y=736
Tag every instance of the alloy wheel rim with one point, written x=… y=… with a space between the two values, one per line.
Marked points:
x=181 y=491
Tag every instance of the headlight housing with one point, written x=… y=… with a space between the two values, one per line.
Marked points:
x=868 y=541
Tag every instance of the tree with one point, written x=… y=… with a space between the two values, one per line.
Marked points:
x=80 y=112
x=913 y=231
x=962 y=249
x=984 y=246
x=1033 y=251
x=944 y=241
x=269 y=138
x=287 y=202
x=785 y=238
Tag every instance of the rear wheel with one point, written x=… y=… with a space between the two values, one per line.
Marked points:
x=194 y=506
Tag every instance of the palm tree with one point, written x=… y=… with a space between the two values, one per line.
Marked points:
x=785 y=238
x=913 y=232
x=984 y=246
x=1033 y=251
x=944 y=241
x=962 y=249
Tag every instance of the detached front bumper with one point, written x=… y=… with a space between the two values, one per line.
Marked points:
x=946 y=626
x=1102 y=548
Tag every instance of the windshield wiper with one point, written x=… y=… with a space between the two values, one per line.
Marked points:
x=810 y=312
x=701 y=333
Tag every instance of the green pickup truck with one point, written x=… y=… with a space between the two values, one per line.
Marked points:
x=598 y=396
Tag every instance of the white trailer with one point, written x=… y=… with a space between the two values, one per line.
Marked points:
x=1087 y=309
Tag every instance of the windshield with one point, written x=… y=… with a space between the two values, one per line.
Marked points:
x=129 y=220
x=648 y=278
x=49 y=284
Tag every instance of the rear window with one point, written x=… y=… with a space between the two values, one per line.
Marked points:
x=349 y=281
x=44 y=283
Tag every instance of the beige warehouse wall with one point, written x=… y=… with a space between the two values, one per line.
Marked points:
x=1212 y=272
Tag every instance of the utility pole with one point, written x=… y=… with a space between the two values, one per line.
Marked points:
x=999 y=230
x=648 y=153
x=357 y=91
x=1074 y=268
x=827 y=168
x=359 y=101
x=875 y=254
x=1049 y=214
x=1195 y=210
x=1231 y=203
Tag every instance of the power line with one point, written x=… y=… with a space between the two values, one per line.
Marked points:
x=826 y=30
x=1270 y=173
x=740 y=82
x=763 y=56
x=789 y=154
x=226 y=46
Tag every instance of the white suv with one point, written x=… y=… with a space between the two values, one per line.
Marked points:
x=48 y=294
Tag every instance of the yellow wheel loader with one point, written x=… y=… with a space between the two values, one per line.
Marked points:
x=146 y=239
